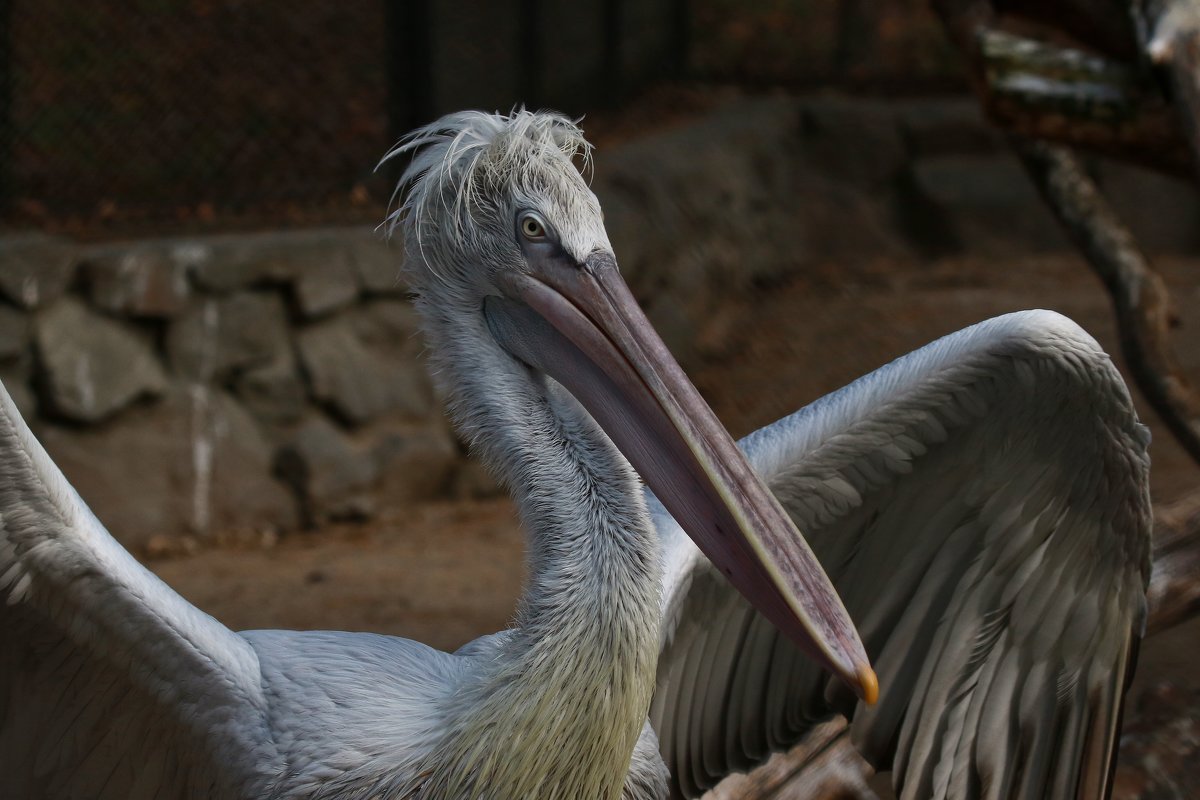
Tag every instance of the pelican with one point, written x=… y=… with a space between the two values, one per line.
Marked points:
x=980 y=505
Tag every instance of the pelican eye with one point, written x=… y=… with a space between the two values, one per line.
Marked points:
x=532 y=228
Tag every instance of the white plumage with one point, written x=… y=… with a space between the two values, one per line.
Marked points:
x=980 y=505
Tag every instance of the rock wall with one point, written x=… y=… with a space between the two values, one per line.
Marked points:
x=194 y=387
x=240 y=382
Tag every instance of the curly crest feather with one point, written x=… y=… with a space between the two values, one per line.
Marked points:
x=462 y=159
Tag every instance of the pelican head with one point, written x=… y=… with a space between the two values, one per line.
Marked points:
x=516 y=278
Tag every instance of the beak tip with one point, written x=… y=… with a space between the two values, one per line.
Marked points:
x=868 y=684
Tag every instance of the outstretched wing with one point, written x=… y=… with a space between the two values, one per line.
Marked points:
x=111 y=684
x=982 y=507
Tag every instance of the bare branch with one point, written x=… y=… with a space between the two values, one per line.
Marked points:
x=1160 y=746
x=1174 y=592
x=825 y=764
x=1139 y=295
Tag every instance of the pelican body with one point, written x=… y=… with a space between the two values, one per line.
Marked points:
x=981 y=505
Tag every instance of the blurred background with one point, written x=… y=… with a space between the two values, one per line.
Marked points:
x=239 y=114
x=204 y=325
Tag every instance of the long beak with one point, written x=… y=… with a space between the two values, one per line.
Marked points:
x=580 y=325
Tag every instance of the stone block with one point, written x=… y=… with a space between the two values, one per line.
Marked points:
x=92 y=366
x=143 y=280
x=1162 y=211
x=243 y=261
x=35 y=270
x=273 y=393
x=414 y=462
x=193 y=463
x=629 y=230
x=222 y=336
x=363 y=364
x=703 y=212
x=947 y=126
x=330 y=473
x=14 y=334
x=853 y=140
x=980 y=203
x=315 y=264
x=16 y=379
x=328 y=285
x=378 y=263
x=690 y=207
x=472 y=481
x=391 y=325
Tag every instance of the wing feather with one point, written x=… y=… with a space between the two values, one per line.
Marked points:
x=982 y=507
x=109 y=679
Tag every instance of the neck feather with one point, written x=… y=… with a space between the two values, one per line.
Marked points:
x=558 y=713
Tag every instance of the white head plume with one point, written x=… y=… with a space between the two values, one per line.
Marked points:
x=472 y=162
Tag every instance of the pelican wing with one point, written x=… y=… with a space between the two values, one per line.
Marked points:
x=981 y=506
x=111 y=684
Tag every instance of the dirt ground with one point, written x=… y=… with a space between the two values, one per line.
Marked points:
x=444 y=573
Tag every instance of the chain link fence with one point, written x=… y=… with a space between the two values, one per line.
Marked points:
x=155 y=113
x=174 y=108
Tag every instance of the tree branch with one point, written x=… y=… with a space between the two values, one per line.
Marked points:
x=1174 y=593
x=825 y=763
x=1138 y=293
